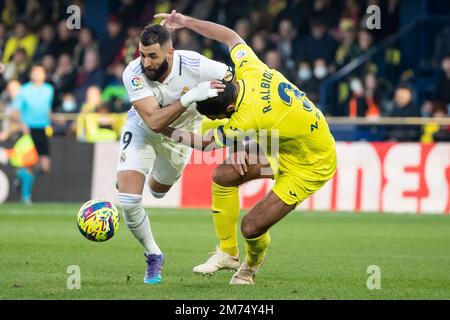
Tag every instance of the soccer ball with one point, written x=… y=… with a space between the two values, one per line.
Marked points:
x=98 y=220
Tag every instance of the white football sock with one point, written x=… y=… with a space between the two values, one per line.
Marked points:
x=138 y=222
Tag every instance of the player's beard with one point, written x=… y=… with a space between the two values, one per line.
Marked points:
x=156 y=74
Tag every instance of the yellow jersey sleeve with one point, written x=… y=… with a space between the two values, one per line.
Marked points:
x=244 y=59
x=241 y=126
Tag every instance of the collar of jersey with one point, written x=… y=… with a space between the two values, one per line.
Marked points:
x=175 y=67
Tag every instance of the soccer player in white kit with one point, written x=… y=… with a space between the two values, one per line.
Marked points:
x=163 y=85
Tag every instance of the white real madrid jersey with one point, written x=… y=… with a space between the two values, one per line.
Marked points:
x=189 y=68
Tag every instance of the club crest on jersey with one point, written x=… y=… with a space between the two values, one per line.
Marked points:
x=240 y=54
x=137 y=83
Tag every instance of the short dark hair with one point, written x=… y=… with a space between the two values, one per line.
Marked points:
x=218 y=105
x=154 y=33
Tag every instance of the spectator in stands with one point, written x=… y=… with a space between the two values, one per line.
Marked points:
x=6 y=101
x=64 y=77
x=309 y=79
x=316 y=45
x=351 y=11
x=130 y=49
x=22 y=38
x=274 y=61
x=86 y=42
x=297 y=11
x=365 y=42
x=404 y=106
x=110 y=46
x=61 y=125
x=47 y=42
x=17 y=68
x=187 y=41
x=348 y=48
x=115 y=96
x=91 y=74
x=260 y=43
x=243 y=28
x=49 y=64
x=9 y=13
x=362 y=102
x=258 y=19
x=93 y=100
x=34 y=14
x=327 y=11
x=442 y=134
x=94 y=123
x=443 y=87
x=65 y=42
x=285 y=42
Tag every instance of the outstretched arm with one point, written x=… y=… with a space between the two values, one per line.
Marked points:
x=208 y=29
x=203 y=143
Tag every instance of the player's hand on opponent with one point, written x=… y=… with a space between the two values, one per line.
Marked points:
x=240 y=161
x=172 y=21
x=204 y=90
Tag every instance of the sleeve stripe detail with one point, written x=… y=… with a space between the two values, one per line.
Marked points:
x=138 y=69
x=190 y=59
x=191 y=64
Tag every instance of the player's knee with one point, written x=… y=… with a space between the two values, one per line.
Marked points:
x=222 y=177
x=157 y=195
x=250 y=228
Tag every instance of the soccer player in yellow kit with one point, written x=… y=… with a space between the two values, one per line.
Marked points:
x=262 y=104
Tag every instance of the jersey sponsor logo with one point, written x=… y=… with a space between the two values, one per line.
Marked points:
x=240 y=54
x=137 y=83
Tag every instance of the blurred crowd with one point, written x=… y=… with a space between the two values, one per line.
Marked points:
x=307 y=40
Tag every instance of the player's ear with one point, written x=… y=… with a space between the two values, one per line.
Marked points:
x=170 y=51
x=230 y=108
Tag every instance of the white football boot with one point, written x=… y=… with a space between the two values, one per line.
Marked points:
x=218 y=261
x=245 y=274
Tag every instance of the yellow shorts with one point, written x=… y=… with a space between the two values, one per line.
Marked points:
x=294 y=190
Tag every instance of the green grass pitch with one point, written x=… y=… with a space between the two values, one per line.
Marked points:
x=312 y=256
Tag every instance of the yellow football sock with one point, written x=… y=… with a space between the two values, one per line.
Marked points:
x=225 y=208
x=256 y=249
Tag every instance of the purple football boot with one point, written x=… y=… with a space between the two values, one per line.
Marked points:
x=154 y=266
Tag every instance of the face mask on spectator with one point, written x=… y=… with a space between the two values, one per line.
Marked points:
x=69 y=106
x=320 y=72
x=356 y=86
x=304 y=74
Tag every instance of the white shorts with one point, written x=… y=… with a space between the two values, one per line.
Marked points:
x=147 y=152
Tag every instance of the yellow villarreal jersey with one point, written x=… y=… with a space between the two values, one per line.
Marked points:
x=271 y=106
